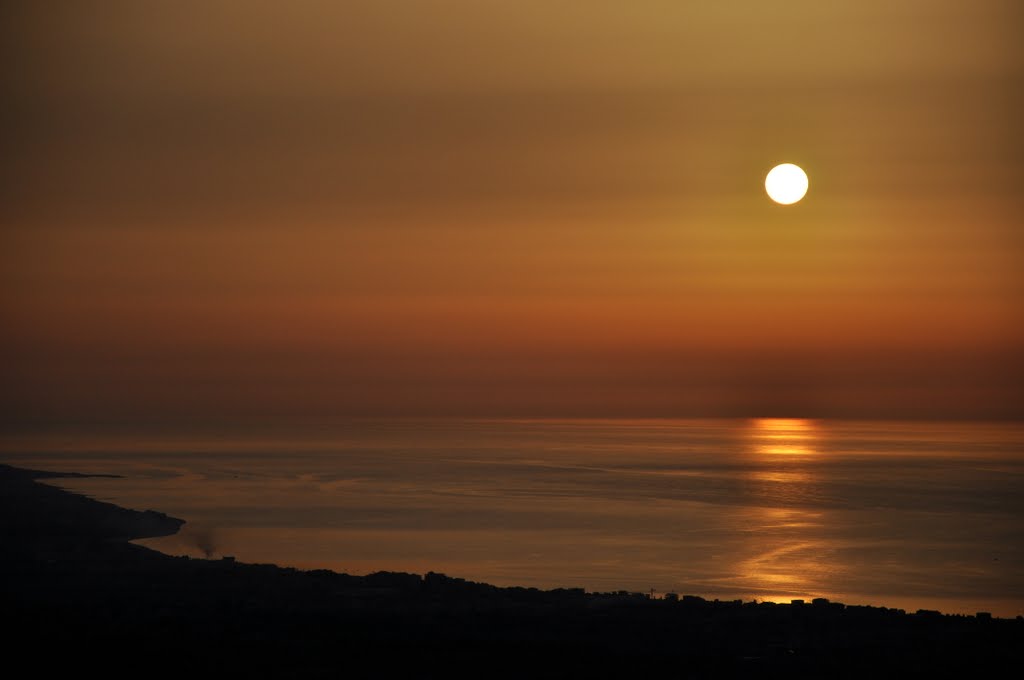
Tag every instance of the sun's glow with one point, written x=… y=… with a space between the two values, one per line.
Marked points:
x=786 y=183
x=784 y=436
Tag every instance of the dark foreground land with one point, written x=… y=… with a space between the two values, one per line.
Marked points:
x=76 y=596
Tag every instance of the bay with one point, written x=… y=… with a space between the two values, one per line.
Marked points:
x=900 y=514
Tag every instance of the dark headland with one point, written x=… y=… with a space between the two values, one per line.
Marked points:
x=78 y=597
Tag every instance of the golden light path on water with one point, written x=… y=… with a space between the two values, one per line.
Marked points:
x=783 y=436
x=786 y=558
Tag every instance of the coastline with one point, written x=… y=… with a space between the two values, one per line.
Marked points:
x=68 y=558
x=56 y=515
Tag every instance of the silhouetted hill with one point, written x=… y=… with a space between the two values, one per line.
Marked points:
x=80 y=597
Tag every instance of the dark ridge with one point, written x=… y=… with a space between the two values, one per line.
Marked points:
x=80 y=599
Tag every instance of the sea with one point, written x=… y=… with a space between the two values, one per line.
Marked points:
x=908 y=515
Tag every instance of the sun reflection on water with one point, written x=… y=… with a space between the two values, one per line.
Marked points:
x=786 y=554
x=784 y=436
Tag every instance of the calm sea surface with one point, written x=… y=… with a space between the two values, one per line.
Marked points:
x=910 y=515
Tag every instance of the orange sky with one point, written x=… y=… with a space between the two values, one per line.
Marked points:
x=487 y=208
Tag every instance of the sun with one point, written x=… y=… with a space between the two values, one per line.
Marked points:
x=786 y=183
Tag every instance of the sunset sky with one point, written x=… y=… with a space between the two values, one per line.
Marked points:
x=221 y=212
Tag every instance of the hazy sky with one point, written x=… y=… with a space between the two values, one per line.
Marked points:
x=234 y=211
